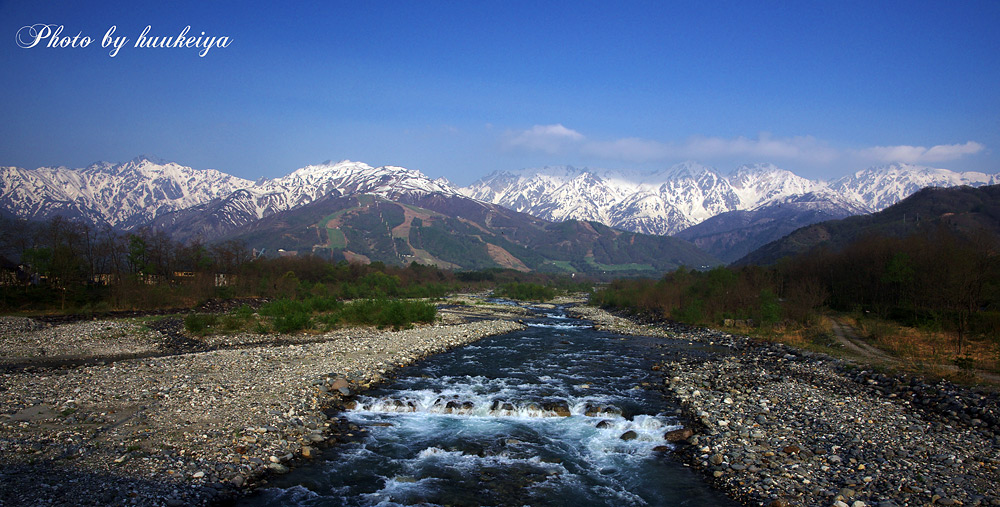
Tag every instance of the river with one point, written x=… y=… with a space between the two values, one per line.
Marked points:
x=487 y=424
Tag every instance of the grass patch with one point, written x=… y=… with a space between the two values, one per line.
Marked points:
x=336 y=239
x=563 y=265
x=927 y=352
x=201 y=323
x=525 y=292
x=632 y=266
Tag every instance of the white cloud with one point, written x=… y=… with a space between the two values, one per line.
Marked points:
x=920 y=154
x=764 y=147
x=551 y=139
x=804 y=150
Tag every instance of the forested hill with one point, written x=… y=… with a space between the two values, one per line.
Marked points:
x=966 y=211
x=461 y=233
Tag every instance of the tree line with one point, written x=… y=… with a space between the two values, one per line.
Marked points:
x=936 y=279
x=62 y=265
x=67 y=264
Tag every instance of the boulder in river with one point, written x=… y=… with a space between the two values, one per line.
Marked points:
x=561 y=408
x=678 y=435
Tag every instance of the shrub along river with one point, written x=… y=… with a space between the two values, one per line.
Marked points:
x=556 y=414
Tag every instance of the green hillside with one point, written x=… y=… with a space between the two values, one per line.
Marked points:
x=458 y=233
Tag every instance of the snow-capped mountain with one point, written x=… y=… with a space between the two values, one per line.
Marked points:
x=663 y=202
x=121 y=195
x=765 y=183
x=311 y=182
x=135 y=193
x=670 y=201
x=206 y=203
x=881 y=187
x=306 y=185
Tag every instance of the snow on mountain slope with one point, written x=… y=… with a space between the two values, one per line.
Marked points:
x=310 y=182
x=301 y=187
x=881 y=187
x=698 y=192
x=668 y=201
x=124 y=195
x=663 y=202
x=761 y=184
x=132 y=194
x=135 y=193
x=648 y=213
x=653 y=203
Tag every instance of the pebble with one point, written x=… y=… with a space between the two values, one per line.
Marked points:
x=777 y=422
x=147 y=428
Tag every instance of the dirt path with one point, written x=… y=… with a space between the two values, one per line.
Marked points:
x=847 y=336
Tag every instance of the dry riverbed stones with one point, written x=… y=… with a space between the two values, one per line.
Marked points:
x=775 y=426
x=184 y=429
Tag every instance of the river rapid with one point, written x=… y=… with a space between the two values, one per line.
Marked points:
x=557 y=414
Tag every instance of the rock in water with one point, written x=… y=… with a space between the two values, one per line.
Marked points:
x=678 y=435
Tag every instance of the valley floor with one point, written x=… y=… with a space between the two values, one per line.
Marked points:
x=771 y=425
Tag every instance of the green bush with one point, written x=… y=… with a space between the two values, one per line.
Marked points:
x=322 y=304
x=292 y=322
x=388 y=313
x=769 y=309
x=525 y=292
x=330 y=320
x=690 y=313
x=282 y=307
x=289 y=316
x=200 y=323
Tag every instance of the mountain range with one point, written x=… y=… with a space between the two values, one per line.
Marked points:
x=124 y=196
x=726 y=215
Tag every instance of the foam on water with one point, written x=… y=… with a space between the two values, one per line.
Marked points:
x=547 y=416
x=564 y=327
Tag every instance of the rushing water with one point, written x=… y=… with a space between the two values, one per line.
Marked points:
x=485 y=425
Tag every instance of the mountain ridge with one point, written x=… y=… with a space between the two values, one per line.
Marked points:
x=190 y=203
x=690 y=193
x=456 y=232
x=965 y=210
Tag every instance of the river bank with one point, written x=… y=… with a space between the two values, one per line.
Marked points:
x=770 y=425
x=122 y=418
x=777 y=426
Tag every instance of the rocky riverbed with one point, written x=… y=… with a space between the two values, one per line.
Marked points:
x=124 y=419
x=773 y=425
x=768 y=424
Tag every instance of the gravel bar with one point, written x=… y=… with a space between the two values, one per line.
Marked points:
x=773 y=425
x=184 y=429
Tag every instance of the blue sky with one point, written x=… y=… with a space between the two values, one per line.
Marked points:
x=460 y=89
